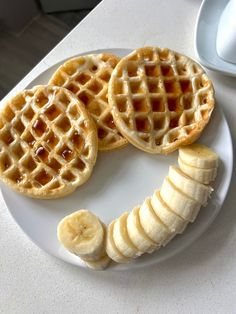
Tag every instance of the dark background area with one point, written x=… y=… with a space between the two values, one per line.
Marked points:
x=29 y=29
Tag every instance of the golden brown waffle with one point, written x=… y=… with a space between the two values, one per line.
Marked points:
x=87 y=77
x=48 y=142
x=160 y=99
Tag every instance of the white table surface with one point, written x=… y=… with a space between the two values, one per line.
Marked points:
x=201 y=279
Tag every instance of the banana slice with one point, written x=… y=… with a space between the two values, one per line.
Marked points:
x=137 y=234
x=198 y=155
x=198 y=191
x=111 y=248
x=82 y=233
x=122 y=240
x=175 y=223
x=201 y=175
x=152 y=225
x=178 y=202
x=100 y=264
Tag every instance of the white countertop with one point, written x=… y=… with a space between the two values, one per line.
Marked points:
x=201 y=279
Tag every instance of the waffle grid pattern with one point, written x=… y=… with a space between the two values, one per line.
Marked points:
x=87 y=77
x=160 y=99
x=48 y=142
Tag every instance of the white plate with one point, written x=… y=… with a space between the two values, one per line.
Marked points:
x=205 y=37
x=121 y=179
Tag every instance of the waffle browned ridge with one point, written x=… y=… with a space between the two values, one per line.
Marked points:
x=48 y=142
x=87 y=77
x=160 y=99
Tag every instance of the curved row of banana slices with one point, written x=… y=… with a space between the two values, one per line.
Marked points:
x=153 y=224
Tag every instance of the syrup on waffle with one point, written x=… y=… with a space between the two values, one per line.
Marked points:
x=87 y=77
x=48 y=142
x=160 y=99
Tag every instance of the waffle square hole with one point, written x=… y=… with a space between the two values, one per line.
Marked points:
x=29 y=164
x=5 y=162
x=109 y=122
x=86 y=151
x=148 y=54
x=136 y=87
x=19 y=126
x=132 y=69
x=157 y=104
x=74 y=112
x=164 y=55
x=6 y=137
x=140 y=105
x=85 y=97
x=77 y=140
x=121 y=104
x=83 y=78
x=200 y=83
x=63 y=98
x=203 y=99
x=173 y=137
x=173 y=104
x=66 y=153
x=94 y=68
x=64 y=124
x=73 y=88
x=174 y=122
x=190 y=119
x=41 y=100
x=153 y=86
x=167 y=70
x=52 y=140
x=195 y=69
x=71 y=68
x=171 y=86
x=43 y=178
x=79 y=164
x=29 y=114
x=19 y=102
x=29 y=139
x=158 y=124
x=16 y=176
x=59 y=80
x=105 y=76
x=52 y=112
x=18 y=151
x=102 y=133
x=68 y=176
x=182 y=69
x=186 y=86
x=39 y=127
x=95 y=87
x=118 y=87
x=187 y=102
x=41 y=153
x=152 y=70
x=142 y=125
x=54 y=164
x=8 y=113
x=94 y=108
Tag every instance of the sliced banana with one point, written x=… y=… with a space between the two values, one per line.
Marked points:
x=111 y=248
x=100 y=264
x=201 y=175
x=174 y=222
x=152 y=224
x=179 y=202
x=121 y=238
x=137 y=234
x=198 y=191
x=82 y=233
x=198 y=155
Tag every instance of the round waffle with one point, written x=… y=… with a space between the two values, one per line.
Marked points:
x=48 y=142
x=160 y=99
x=87 y=77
